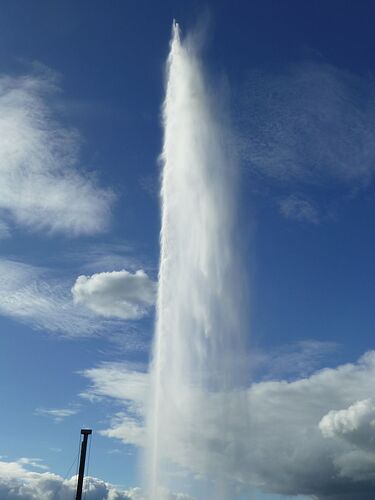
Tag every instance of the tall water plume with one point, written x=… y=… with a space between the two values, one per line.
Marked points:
x=197 y=349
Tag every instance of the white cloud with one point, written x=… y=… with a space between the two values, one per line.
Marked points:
x=118 y=294
x=137 y=494
x=309 y=124
x=19 y=483
x=117 y=381
x=126 y=385
x=32 y=462
x=129 y=429
x=41 y=187
x=272 y=435
x=297 y=208
x=355 y=424
x=58 y=414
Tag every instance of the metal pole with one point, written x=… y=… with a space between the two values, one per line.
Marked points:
x=86 y=433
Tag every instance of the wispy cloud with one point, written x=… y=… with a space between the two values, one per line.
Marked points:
x=127 y=428
x=36 y=463
x=34 y=296
x=57 y=414
x=120 y=381
x=129 y=387
x=42 y=186
x=4 y=230
x=150 y=184
x=297 y=208
x=293 y=361
x=310 y=124
x=118 y=294
x=107 y=257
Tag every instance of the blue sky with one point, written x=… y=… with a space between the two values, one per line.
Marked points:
x=81 y=87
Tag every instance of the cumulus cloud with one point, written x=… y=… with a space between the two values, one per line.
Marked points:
x=17 y=482
x=311 y=436
x=310 y=124
x=355 y=424
x=297 y=208
x=41 y=186
x=118 y=294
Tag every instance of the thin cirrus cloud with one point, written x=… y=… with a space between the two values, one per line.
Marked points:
x=32 y=295
x=118 y=294
x=107 y=257
x=323 y=423
x=310 y=124
x=41 y=185
x=292 y=361
x=4 y=230
x=299 y=209
x=36 y=463
x=57 y=414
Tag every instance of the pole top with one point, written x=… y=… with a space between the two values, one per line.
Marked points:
x=86 y=431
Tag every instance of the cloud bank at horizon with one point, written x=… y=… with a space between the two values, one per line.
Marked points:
x=17 y=482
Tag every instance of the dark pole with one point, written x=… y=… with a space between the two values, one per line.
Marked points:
x=86 y=433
